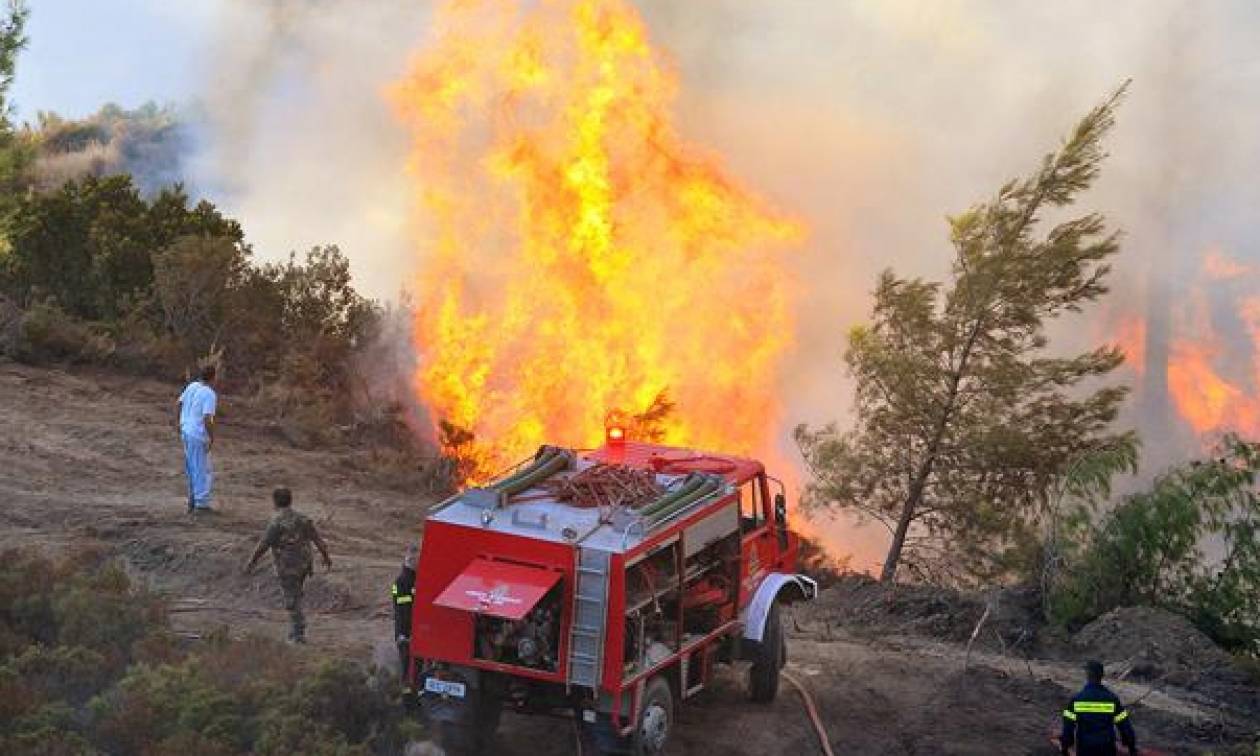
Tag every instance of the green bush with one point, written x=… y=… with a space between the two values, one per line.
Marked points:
x=1150 y=550
x=46 y=333
x=49 y=730
x=155 y=704
x=94 y=271
x=88 y=665
x=321 y=697
x=89 y=243
x=71 y=674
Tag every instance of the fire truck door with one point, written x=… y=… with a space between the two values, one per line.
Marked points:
x=499 y=589
x=757 y=537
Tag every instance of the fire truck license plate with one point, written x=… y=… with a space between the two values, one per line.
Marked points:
x=445 y=687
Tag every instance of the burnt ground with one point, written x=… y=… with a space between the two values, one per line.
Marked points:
x=88 y=455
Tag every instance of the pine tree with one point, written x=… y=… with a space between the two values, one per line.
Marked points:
x=963 y=418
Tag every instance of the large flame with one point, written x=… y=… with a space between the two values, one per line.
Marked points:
x=579 y=258
x=1214 y=379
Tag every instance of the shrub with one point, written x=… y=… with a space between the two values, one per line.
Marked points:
x=1149 y=550
x=321 y=697
x=285 y=733
x=193 y=280
x=156 y=704
x=50 y=730
x=79 y=602
x=88 y=665
x=46 y=333
x=89 y=242
x=60 y=673
x=103 y=614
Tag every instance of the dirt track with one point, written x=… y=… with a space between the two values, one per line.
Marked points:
x=88 y=455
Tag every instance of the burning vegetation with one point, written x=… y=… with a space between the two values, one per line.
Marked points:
x=1213 y=371
x=577 y=257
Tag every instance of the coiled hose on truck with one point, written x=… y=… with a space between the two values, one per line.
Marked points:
x=550 y=460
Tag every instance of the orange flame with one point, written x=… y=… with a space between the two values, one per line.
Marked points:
x=580 y=257
x=1204 y=395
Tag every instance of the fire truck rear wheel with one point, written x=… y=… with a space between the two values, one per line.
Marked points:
x=656 y=719
x=763 y=677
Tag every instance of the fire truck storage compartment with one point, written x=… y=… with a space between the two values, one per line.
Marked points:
x=532 y=641
x=516 y=610
x=681 y=590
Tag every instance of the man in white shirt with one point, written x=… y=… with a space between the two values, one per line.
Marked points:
x=196 y=429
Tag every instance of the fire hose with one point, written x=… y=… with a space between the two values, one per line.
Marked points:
x=812 y=710
x=806 y=699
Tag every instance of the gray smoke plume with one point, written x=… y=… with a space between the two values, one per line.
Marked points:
x=298 y=141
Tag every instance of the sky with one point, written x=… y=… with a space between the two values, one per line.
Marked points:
x=84 y=53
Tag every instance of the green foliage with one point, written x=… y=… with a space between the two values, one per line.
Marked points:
x=15 y=153
x=12 y=40
x=104 y=275
x=157 y=703
x=1074 y=497
x=87 y=666
x=46 y=333
x=1191 y=544
x=89 y=244
x=195 y=278
x=963 y=421
x=320 y=311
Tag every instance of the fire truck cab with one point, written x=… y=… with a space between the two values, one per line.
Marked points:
x=612 y=613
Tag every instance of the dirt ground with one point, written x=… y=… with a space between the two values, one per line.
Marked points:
x=94 y=455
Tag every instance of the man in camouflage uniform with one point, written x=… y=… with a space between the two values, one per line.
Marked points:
x=289 y=536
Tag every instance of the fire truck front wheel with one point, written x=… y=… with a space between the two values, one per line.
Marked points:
x=763 y=677
x=655 y=720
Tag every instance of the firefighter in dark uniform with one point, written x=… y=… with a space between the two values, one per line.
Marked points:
x=403 y=594
x=1092 y=718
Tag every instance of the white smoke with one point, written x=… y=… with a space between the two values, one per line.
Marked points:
x=298 y=142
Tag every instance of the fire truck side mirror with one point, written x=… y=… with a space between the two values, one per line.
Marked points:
x=780 y=519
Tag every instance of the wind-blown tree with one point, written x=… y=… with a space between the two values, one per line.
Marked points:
x=963 y=416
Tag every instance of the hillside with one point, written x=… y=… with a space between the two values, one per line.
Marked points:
x=92 y=456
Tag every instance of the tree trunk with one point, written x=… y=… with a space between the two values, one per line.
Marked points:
x=913 y=497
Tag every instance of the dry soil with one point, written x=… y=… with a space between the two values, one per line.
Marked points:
x=95 y=455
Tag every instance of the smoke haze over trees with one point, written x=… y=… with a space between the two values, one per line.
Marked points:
x=150 y=143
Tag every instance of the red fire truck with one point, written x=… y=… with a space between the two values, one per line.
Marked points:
x=604 y=586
